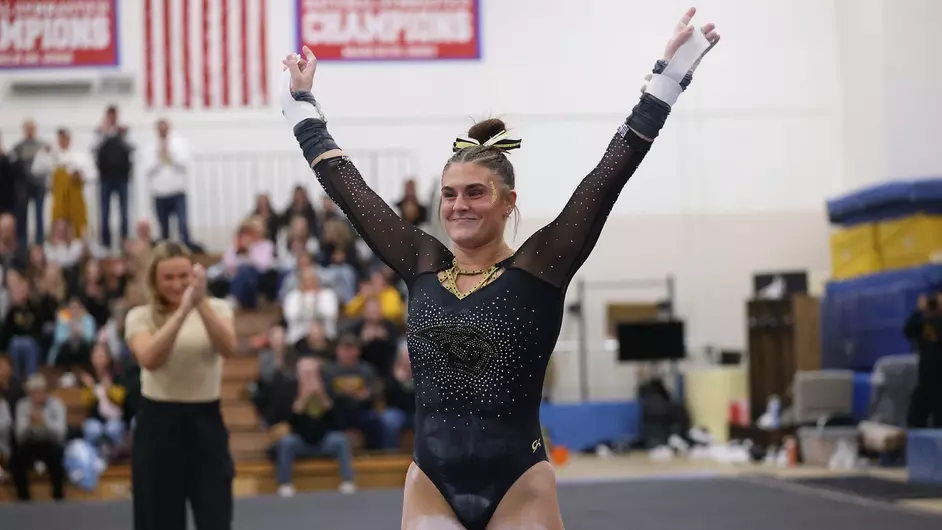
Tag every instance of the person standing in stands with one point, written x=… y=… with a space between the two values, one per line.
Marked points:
x=113 y=152
x=166 y=165
x=40 y=437
x=924 y=329
x=70 y=169
x=12 y=185
x=181 y=445
x=35 y=184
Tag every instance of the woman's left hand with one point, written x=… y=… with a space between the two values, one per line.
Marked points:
x=682 y=33
x=302 y=70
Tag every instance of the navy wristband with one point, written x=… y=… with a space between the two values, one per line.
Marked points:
x=648 y=116
x=314 y=139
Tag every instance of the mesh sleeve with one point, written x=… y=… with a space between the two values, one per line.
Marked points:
x=404 y=248
x=556 y=251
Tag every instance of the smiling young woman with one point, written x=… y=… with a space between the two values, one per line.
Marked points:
x=484 y=319
x=181 y=445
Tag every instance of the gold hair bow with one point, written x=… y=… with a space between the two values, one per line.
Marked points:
x=500 y=141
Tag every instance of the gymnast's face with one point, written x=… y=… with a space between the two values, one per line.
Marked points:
x=473 y=208
x=172 y=277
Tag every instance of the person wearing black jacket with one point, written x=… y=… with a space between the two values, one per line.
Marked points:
x=305 y=411
x=22 y=331
x=12 y=180
x=924 y=329
x=113 y=156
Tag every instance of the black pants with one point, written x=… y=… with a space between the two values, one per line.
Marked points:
x=925 y=402
x=25 y=457
x=180 y=454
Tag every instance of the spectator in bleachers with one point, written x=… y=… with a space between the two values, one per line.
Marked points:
x=138 y=252
x=91 y=293
x=113 y=152
x=337 y=237
x=6 y=434
x=10 y=389
x=392 y=307
x=36 y=185
x=70 y=169
x=74 y=334
x=353 y=387
x=274 y=360
x=275 y=356
x=410 y=208
x=65 y=250
x=22 y=331
x=251 y=256
x=301 y=206
x=13 y=254
x=54 y=286
x=340 y=276
x=265 y=210
x=40 y=431
x=104 y=399
x=166 y=165
x=36 y=267
x=288 y=267
x=315 y=343
x=12 y=183
x=112 y=334
x=378 y=336
x=10 y=394
x=309 y=303
x=115 y=279
x=307 y=428
x=139 y=247
x=399 y=391
x=299 y=238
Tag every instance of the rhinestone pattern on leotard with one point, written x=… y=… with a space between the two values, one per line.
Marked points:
x=478 y=363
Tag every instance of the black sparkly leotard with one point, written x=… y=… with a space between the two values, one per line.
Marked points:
x=478 y=363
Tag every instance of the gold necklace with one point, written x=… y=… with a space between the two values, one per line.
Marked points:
x=452 y=274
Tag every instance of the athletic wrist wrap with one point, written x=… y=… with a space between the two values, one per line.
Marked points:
x=314 y=139
x=648 y=116
x=661 y=64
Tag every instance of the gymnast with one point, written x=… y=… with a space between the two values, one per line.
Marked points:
x=483 y=318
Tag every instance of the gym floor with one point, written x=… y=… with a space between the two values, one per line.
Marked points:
x=595 y=493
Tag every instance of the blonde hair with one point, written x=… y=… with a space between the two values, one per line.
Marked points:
x=257 y=224
x=163 y=251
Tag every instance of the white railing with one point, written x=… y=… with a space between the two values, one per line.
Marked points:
x=222 y=189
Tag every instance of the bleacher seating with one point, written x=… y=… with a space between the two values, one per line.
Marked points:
x=254 y=471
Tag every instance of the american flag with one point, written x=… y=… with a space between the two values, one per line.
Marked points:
x=205 y=53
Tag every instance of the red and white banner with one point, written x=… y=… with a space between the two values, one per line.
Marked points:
x=58 y=33
x=205 y=53
x=390 y=29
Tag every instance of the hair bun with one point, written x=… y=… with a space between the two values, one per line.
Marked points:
x=487 y=129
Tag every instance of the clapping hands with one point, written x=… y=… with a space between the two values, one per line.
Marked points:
x=196 y=290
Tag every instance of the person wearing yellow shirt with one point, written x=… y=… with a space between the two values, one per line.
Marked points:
x=392 y=306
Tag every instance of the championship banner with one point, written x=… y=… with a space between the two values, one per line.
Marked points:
x=352 y=30
x=58 y=33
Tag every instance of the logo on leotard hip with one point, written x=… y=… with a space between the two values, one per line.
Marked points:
x=467 y=348
x=536 y=444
